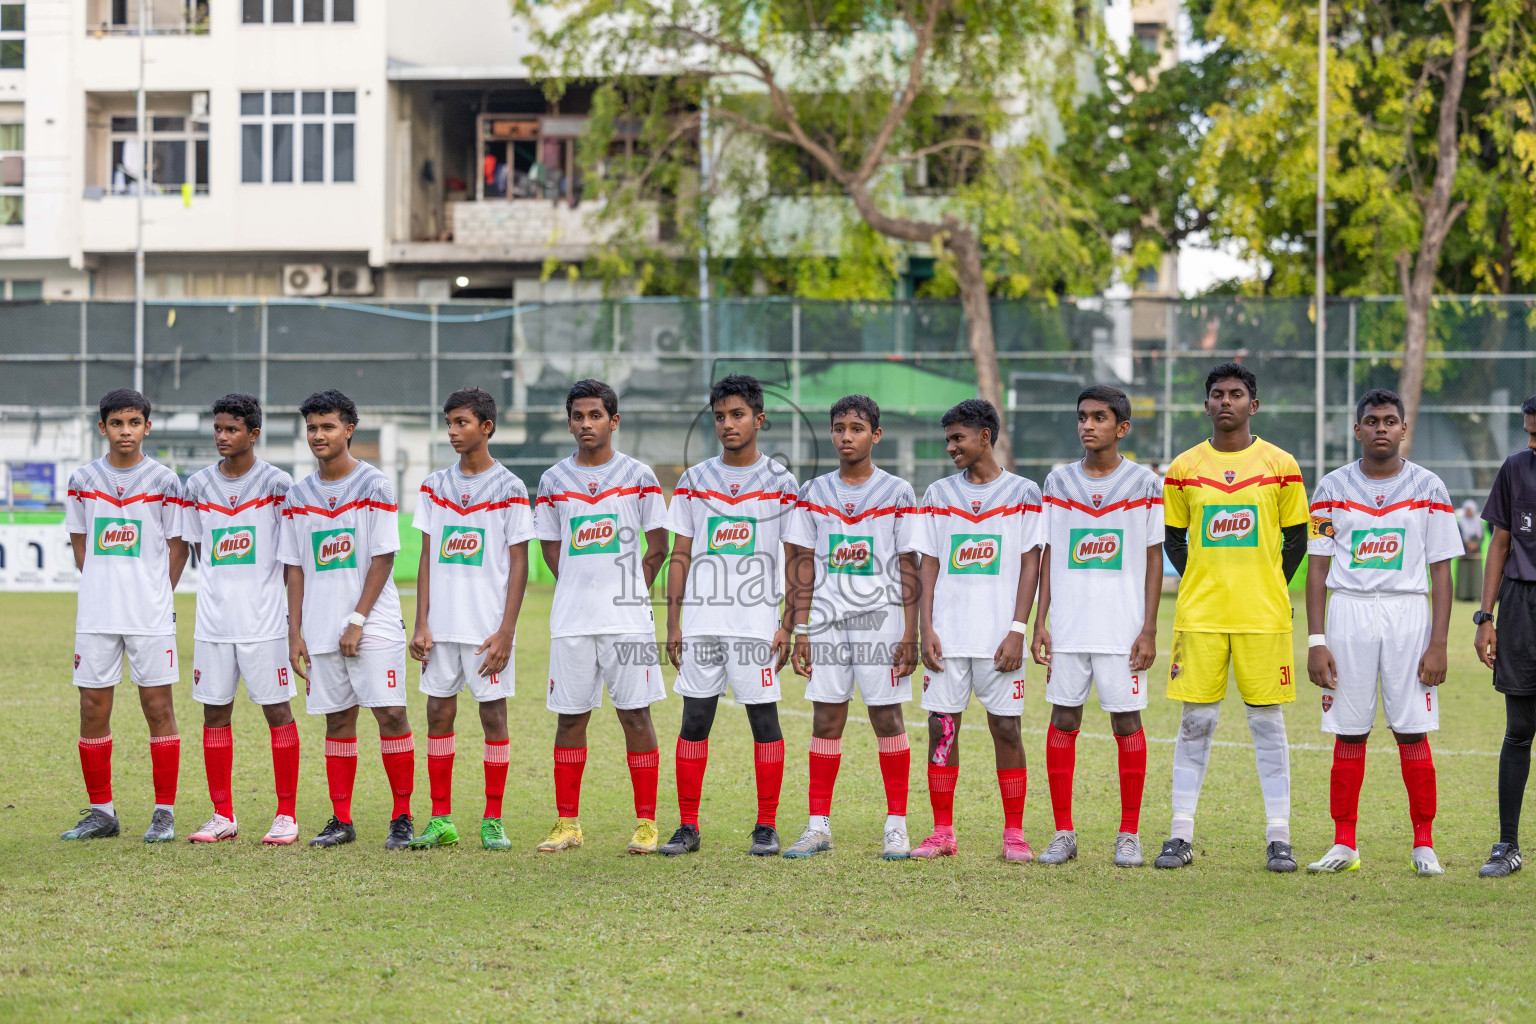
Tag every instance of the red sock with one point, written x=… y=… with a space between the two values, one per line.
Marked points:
x=218 y=763
x=826 y=757
x=644 y=771
x=895 y=771
x=498 y=753
x=1133 y=776
x=1011 y=782
x=1060 y=762
x=768 y=759
x=440 y=773
x=165 y=766
x=1344 y=790
x=1419 y=777
x=692 y=759
x=285 y=767
x=569 y=762
x=340 y=773
x=96 y=767
x=399 y=754
x=941 y=793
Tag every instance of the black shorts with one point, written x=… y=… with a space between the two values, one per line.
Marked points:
x=1514 y=669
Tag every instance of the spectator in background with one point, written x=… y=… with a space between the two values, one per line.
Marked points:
x=1469 y=568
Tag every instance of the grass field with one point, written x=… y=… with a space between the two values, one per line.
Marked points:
x=113 y=930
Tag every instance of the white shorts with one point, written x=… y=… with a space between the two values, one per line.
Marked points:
x=1378 y=636
x=629 y=663
x=373 y=679
x=450 y=667
x=744 y=664
x=843 y=659
x=949 y=692
x=217 y=669
x=1070 y=674
x=99 y=660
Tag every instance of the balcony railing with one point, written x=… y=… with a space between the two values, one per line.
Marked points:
x=161 y=18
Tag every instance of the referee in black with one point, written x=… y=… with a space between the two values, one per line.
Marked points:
x=1509 y=577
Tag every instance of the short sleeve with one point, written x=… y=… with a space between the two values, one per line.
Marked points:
x=1442 y=538
x=909 y=522
x=1032 y=522
x=925 y=532
x=680 y=512
x=173 y=508
x=1175 y=502
x=384 y=515
x=653 y=506
x=517 y=517
x=1154 y=513
x=74 y=508
x=1293 y=494
x=546 y=517
x=800 y=523
x=1320 y=530
x=191 y=517
x=288 y=550
x=1496 y=510
x=422 y=518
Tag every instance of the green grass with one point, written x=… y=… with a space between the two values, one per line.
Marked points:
x=112 y=930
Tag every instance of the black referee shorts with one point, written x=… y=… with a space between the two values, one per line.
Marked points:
x=1514 y=669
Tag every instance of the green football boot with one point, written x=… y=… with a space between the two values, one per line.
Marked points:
x=493 y=836
x=439 y=832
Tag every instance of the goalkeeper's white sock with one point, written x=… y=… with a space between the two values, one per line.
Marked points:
x=1191 y=756
x=1273 y=756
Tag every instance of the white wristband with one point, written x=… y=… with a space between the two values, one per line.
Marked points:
x=1316 y=640
x=1018 y=627
x=803 y=630
x=357 y=618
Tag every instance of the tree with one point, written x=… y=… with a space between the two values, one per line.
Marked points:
x=859 y=107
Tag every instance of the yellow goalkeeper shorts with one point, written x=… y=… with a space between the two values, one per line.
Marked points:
x=1260 y=661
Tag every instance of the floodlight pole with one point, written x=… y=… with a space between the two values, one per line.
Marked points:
x=138 y=246
x=1321 y=283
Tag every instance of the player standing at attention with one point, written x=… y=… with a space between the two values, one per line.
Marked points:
x=981 y=560
x=1376 y=524
x=592 y=508
x=476 y=524
x=1245 y=501
x=853 y=581
x=1103 y=569
x=723 y=589
x=235 y=515
x=1509 y=579
x=340 y=532
x=124 y=517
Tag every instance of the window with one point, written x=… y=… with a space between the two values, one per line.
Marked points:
x=1146 y=278
x=13 y=43
x=175 y=150
x=287 y=12
x=25 y=289
x=12 y=143
x=1149 y=36
x=308 y=136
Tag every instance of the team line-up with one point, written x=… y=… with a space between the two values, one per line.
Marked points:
x=848 y=578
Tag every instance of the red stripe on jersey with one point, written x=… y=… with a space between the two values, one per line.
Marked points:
x=873 y=513
x=593 y=499
x=1433 y=506
x=1123 y=503
x=484 y=506
x=332 y=513
x=271 y=499
x=1232 y=488
x=131 y=499
x=1006 y=510
x=779 y=496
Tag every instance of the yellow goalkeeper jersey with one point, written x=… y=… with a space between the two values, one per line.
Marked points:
x=1234 y=505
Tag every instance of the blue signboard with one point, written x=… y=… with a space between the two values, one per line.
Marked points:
x=32 y=484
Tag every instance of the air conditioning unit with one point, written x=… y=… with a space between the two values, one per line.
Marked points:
x=351 y=281
x=304 y=279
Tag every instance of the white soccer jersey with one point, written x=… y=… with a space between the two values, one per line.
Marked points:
x=1099 y=530
x=856 y=535
x=978 y=533
x=737 y=518
x=468 y=523
x=240 y=593
x=600 y=515
x=127 y=517
x=1382 y=534
x=333 y=530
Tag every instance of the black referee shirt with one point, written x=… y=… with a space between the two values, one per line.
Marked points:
x=1512 y=506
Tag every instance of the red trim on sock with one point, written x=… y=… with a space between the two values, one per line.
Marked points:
x=440 y=751
x=96 y=767
x=826 y=757
x=1418 y=766
x=341 y=775
x=692 y=759
x=285 y=767
x=895 y=774
x=1344 y=781
x=1012 y=783
x=495 y=760
x=1133 y=778
x=399 y=755
x=1060 y=764
x=644 y=775
x=768 y=760
x=569 y=764
x=165 y=766
x=941 y=793
x=218 y=766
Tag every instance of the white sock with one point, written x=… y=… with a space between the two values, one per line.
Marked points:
x=1273 y=757
x=822 y=823
x=168 y=808
x=105 y=808
x=895 y=821
x=1191 y=756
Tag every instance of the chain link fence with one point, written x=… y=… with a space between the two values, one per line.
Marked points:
x=398 y=361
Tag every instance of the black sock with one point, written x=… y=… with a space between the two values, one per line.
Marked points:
x=1515 y=764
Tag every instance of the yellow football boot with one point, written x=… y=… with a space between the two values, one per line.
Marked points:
x=566 y=835
x=645 y=838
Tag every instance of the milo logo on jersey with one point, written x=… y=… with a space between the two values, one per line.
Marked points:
x=853 y=556
x=594 y=535
x=334 y=549
x=732 y=535
x=234 y=545
x=462 y=545
x=1231 y=526
x=976 y=554
x=1095 y=549
x=118 y=537
x=1376 y=549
